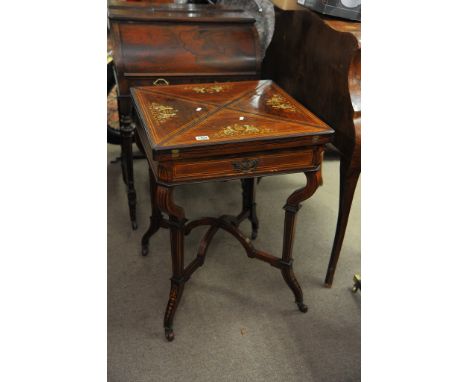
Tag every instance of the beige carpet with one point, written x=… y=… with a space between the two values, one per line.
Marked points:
x=237 y=320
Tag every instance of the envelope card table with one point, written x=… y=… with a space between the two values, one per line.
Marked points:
x=224 y=131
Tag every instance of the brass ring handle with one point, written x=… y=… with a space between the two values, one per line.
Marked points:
x=161 y=81
x=246 y=165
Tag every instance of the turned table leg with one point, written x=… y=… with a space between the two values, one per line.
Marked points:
x=165 y=203
x=156 y=216
x=248 y=203
x=127 y=131
x=348 y=180
x=291 y=208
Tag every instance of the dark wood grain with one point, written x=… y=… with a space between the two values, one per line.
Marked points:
x=176 y=43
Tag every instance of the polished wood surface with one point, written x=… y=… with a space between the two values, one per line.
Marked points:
x=175 y=43
x=247 y=111
x=182 y=123
x=161 y=44
x=199 y=133
x=318 y=61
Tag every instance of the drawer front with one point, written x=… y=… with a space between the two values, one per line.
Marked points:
x=239 y=167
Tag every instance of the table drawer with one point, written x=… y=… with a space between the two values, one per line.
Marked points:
x=242 y=166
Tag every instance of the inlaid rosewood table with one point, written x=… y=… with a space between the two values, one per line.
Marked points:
x=234 y=130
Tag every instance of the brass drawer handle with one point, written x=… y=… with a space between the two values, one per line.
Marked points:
x=161 y=81
x=246 y=165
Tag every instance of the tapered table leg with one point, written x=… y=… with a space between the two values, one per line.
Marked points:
x=348 y=180
x=127 y=130
x=165 y=203
x=291 y=208
x=248 y=203
x=156 y=216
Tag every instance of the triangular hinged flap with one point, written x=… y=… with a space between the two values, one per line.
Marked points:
x=271 y=101
x=227 y=125
x=216 y=93
x=165 y=115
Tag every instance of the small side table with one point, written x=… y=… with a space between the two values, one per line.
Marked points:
x=235 y=130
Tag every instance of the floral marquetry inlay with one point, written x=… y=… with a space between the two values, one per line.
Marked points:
x=208 y=89
x=180 y=121
x=233 y=130
x=162 y=113
x=278 y=102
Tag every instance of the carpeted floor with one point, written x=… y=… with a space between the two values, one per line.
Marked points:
x=237 y=320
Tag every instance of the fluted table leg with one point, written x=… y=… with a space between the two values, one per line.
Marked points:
x=292 y=207
x=165 y=203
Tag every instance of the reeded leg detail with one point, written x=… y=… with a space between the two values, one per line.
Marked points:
x=291 y=208
x=165 y=203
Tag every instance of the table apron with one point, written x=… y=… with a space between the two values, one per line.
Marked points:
x=242 y=166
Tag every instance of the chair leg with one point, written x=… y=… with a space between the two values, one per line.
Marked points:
x=348 y=180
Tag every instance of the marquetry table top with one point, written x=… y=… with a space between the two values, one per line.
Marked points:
x=198 y=117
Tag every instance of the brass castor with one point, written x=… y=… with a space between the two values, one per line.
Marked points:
x=144 y=250
x=302 y=307
x=357 y=283
x=169 y=334
x=134 y=225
